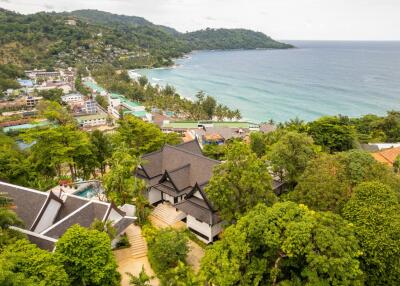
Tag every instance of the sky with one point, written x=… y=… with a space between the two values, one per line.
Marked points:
x=280 y=19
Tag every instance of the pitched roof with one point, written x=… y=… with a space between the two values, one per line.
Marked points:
x=199 y=207
x=84 y=216
x=387 y=156
x=198 y=168
x=28 y=202
x=31 y=205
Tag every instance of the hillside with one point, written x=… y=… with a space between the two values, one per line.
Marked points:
x=221 y=39
x=94 y=37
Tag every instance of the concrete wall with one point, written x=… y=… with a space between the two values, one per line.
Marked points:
x=154 y=196
x=200 y=227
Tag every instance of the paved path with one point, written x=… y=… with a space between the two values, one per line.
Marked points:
x=132 y=259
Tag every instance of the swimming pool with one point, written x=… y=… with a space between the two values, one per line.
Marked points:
x=89 y=192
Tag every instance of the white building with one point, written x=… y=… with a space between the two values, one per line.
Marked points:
x=72 y=98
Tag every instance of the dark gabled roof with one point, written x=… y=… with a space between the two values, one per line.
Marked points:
x=44 y=242
x=184 y=167
x=200 y=208
x=84 y=216
x=179 y=178
x=28 y=203
x=71 y=204
x=123 y=223
x=191 y=146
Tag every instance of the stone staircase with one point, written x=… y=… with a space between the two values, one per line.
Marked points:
x=167 y=214
x=138 y=243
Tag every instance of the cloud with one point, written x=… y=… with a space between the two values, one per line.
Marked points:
x=209 y=18
x=5 y=1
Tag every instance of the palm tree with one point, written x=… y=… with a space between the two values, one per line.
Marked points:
x=141 y=280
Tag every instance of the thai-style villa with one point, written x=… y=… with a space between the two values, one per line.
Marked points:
x=178 y=175
x=47 y=215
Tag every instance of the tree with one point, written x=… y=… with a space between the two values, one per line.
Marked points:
x=87 y=257
x=166 y=248
x=181 y=275
x=290 y=155
x=329 y=180
x=239 y=183
x=29 y=265
x=8 y=218
x=214 y=151
x=55 y=113
x=102 y=101
x=61 y=145
x=396 y=164
x=141 y=280
x=323 y=185
x=143 y=81
x=141 y=137
x=257 y=143
x=374 y=209
x=51 y=94
x=286 y=244
x=120 y=184
x=334 y=134
x=105 y=226
x=101 y=148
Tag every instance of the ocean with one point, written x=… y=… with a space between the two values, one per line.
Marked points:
x=313 y=80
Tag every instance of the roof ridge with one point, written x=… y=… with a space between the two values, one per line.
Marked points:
x=67 y=217
x=23 y=188
x=197 y=155
x=178 y=168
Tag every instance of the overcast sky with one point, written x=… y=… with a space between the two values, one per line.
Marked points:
x=281 y=19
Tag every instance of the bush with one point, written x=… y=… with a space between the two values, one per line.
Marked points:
x=166 y=248
x=123 y=242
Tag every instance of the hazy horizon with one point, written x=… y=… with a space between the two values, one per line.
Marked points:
x=313 y=20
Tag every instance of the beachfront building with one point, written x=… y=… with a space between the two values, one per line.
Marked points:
x=119 y=104
x=47 y=215
x=177 y=175
x=72 y=98
x=92 y=120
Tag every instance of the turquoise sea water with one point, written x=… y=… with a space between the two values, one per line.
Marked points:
x=316 y=79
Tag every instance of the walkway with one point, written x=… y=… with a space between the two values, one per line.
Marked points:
x=132 y=259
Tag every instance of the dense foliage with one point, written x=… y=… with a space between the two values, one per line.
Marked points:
x=23 y=263
x=222 y=39
x=286 y=244
x=87 y=257
x=239 y=183
x=329 y=180
x=94 y=37
x=374 y=210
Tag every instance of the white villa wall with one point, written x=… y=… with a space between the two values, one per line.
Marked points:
x=168 y=198
x=154 y=196
x=199 y=226
x=48 y=216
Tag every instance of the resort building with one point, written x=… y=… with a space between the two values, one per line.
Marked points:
x=92 y=120
x=177 y=175
x=47 y=215
x=72 y=98
x=118 y=104
x=218 y=135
